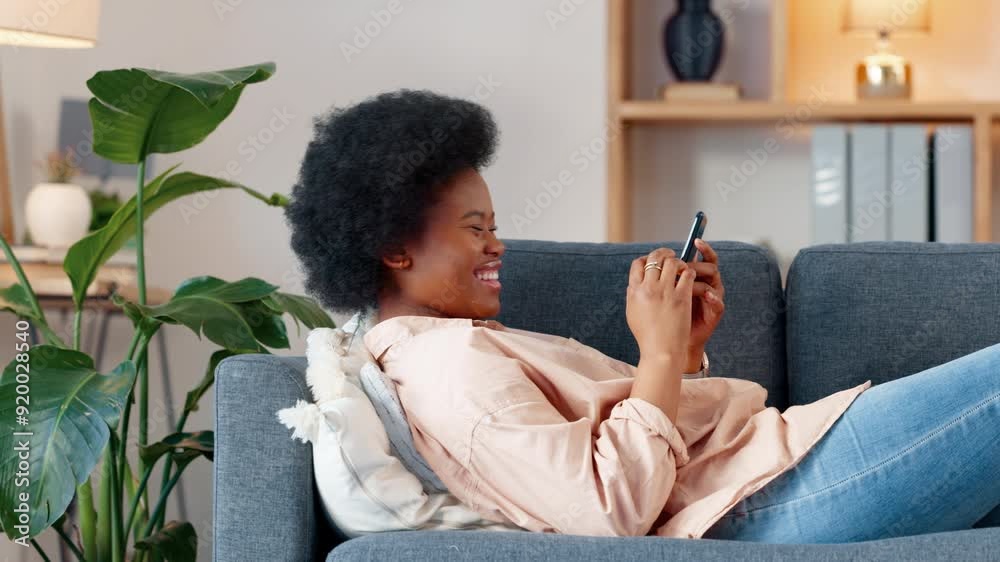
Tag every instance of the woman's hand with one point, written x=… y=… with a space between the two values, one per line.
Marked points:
x=709 y=304
x=658 y=312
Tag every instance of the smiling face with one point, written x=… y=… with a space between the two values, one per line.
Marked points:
x=452 y=270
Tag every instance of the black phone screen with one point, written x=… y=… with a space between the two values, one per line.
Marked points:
x=697 y=230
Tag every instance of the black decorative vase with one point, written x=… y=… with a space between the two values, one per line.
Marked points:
x=693 y=39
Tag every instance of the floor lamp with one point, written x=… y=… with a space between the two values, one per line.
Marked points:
x=25 y=23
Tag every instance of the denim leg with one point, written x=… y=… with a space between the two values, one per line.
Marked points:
x=919 y=454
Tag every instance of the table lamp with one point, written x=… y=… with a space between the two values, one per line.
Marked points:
x=30 y=23
x=885 y=74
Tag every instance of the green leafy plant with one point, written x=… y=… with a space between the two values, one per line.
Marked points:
x=75 y=418
x=104 y=205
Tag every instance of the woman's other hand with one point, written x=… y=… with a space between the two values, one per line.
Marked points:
x=657 y=311
x=709 y=302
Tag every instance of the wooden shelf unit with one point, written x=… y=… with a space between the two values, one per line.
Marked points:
x=626 y=113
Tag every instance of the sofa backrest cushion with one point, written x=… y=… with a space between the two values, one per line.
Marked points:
x=577 y=289
x=880 y=311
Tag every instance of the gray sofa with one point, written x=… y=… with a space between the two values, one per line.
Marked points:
x=848 y=313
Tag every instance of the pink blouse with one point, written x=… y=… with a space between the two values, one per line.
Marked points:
x=539 y=431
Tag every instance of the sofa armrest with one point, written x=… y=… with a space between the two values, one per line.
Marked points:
x=264 y=503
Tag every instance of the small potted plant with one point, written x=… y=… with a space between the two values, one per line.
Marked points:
x=58 y=212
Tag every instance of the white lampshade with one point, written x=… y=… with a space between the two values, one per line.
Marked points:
x=53 y=23
x=896 y=15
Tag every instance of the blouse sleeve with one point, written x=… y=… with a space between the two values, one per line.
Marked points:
x=554 y=475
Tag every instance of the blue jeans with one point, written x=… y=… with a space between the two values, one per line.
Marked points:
x=919 y=454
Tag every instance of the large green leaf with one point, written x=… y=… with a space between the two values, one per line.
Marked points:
x=15 y=299
x=195 y=394
x=244 y=290
x=69 y=412
x=175 y=542
x=267 y=326
x=300 y=308
x=181 y=446
x=210 y=306
x=86 y=256
x=139 y=111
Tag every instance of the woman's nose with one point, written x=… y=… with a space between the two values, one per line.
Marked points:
x=495 y=246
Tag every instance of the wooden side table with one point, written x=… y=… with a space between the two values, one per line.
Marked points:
x=105 y=309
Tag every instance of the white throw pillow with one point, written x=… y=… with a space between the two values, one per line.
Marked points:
x=364 y=488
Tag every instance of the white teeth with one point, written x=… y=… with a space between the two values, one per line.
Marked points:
x=488 y=275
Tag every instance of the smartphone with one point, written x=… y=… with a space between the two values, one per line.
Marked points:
x=690 y=252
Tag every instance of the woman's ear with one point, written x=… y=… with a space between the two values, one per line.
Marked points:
x=396 y=259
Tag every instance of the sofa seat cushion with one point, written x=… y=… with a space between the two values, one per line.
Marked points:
x=975 y=544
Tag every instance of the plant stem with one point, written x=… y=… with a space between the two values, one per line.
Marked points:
x=103 y=536
x=140 y=226
x=77 y=315
x=275 y=200
x=135 y=342
x=161 y=503
x=182 y=420
x=36 y=309
x=124 y=429
x=21 y=278
x=141 y=513
x=38 y=547
x=141 y=270
x=116 y=505
x=69 y=542
x=134 y=508
x=122 y=453
x=168 y=464
x=122 y=459
x=143 y=417
x=88 y=517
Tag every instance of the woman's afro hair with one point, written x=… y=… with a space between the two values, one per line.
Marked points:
x=368 y=179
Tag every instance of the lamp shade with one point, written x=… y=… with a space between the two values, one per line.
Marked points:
x=55 y=23
x=895 y=15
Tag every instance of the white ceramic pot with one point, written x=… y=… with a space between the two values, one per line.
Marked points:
x=57 y=214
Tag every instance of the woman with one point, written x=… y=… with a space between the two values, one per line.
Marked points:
x=391 y=214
